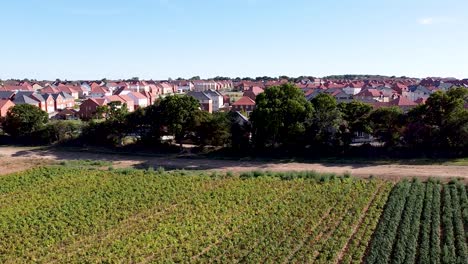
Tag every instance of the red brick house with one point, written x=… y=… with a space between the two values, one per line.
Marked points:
x=59 y=101
x=253 y=91
x=88 y=107
x=244 y=104
x=5 y=105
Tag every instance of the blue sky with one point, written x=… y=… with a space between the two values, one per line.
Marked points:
x=93 y=39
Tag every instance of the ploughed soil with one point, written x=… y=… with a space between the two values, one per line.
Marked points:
x=13 y=159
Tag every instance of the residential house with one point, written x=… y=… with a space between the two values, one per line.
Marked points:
x=71 y=90
x=68 y=99
x=253 y=91
x=139 y=99
x=352 y=89
x=150 y=96
x=5 y=105
x=217 y=99
x=339 y=95
x=138 y=86
x=89 y=107
x=59 y=101
x=7 y=95
x=23 y=98
x=67 y=114
x=37 y=87
x=404 y=103
x=121 y=99
x=371 y=95
x=99 y=92
x=244 y=104
x=49 y=102
x=419 y=91
x=206 y=103
x=49 y=90
x=166 y=88
x=129 y=102
x=184 y=86
x=202 y=85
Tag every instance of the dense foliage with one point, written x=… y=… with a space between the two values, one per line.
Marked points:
x=24 y=120
x=422 y=223
x=75 y=215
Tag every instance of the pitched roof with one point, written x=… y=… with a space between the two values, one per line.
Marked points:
x=6 y=94
x=126 y=98
x=67 y=95
x=137 y=95
x=115 y=98
x=3 y=102
x=245 y=100
x=402 y=101
x=24 y=99
x=198 y=95
x=99 y=90
x=98 y=101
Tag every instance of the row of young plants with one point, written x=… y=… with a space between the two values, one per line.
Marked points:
x=454 y=242
x=422 y=225
x=386 y=232
x=359 y=243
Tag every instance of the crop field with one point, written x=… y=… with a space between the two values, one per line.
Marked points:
x=422 y=223
x=70 y=215
x=79 y=212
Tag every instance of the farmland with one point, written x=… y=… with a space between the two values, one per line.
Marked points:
x=84 y=212
x=63 y=214
x=422 y=223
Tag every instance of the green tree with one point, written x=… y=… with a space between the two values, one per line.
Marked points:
x=387 y=124
x=441 y=123
x=279 y=116
x=355 y=120
x=23 y=120
x=214 y=129
x=177 y=115
x=324 y=124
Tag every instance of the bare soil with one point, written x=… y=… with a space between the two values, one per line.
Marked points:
x=14 y=159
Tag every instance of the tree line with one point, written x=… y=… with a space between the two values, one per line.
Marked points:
x=283 y=123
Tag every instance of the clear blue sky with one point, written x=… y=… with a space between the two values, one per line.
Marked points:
x=91 y=39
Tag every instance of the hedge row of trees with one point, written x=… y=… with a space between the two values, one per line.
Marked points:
x=283 y=121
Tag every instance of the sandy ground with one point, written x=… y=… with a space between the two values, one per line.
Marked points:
x=15 y=159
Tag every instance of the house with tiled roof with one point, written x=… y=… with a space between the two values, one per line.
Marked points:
x=253 y=91
x=245 y=104
x=419 y=91
x=5 y=106
x=59 y=101
x=7 y=95
x=371 y=95
x=89 y=107
x=216 y=98
x=99 y=92
x=25 y=98
x=67 y=114
x=403 y=103
x=206 y=103
x=139 y=100
x=72 y=90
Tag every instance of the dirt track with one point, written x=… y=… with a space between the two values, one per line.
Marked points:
x=15 y=159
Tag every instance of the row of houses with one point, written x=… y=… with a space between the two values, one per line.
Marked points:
x=48 y=102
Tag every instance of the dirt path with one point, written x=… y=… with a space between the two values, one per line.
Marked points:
x=15 y=159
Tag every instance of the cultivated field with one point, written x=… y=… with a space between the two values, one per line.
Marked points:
x=65 y=214
x=423 y=223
